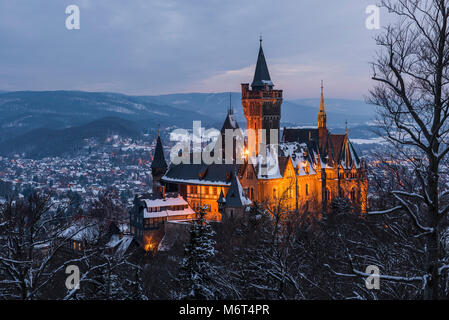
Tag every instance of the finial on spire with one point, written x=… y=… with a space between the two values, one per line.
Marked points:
x=159 y=130
x=322 y=112
x=322 y=97
x=346 y=127
x=230 y=103
x=260 y=39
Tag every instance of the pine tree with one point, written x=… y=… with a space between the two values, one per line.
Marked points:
x=197 y=273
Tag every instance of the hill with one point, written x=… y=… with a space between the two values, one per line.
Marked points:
x=45 y=142
x=294 y=112
x=22 y=111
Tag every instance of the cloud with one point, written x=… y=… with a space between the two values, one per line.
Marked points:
x=162 y=46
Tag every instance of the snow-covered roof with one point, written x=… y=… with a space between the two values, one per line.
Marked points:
x=121 y=245
x=167 y=213
x=165 y=202
x=80 y=232
x=235 y=196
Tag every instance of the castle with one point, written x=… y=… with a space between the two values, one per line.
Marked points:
x=312 y=166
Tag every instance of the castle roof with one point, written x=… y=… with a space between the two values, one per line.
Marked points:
x=159 y=159
x=230 y=122
x=221 y=198
x=235 y=196
x=301 y=135
x=261 y=75
x=338 y=150
x=204 y=174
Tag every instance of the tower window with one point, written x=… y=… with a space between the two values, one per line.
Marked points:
x=307 y=189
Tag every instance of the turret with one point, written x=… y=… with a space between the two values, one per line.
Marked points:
x=158 y=166
x=322 y=123
x=261 y=105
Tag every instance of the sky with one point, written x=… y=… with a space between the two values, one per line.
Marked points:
x=150 y=47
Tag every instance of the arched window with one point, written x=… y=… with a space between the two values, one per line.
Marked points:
x=307 y=189
x=274 y=194
x=328 y=195
x=353 y=194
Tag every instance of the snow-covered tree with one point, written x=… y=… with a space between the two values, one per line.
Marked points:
x=197 y=275
x=412 y=94
x=31 y=246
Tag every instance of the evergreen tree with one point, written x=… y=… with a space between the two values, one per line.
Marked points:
x=197 y=274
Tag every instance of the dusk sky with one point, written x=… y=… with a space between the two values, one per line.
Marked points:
x=166 y=46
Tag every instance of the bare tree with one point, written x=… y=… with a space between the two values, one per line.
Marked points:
x=31 y=243
x=411 y=71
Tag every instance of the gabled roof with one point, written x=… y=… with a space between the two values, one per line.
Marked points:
x=159 y=158
x=337 y=141
x=283 y=162
x=348 y=157
x=235 y=196
x=261 y=75
x=230 y=122
x=337 y=147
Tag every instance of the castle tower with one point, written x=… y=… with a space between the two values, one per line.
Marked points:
x=159 y=165
x=322 y=122
x=261 y=105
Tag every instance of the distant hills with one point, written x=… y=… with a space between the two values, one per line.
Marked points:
x=45 y=142
x=294 y=112
x=30 y=121
x=22 y=111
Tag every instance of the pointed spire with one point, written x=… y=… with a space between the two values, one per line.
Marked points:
x=235 y=196
x=159 y=130
x=322 y=97
x=261 y=75
x=230 y=121
x=322 y=113
x=221 y=198
x=159 y=158
x=230 y=110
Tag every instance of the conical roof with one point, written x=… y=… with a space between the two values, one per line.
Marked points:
x=159 y=158
x=261 y=75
